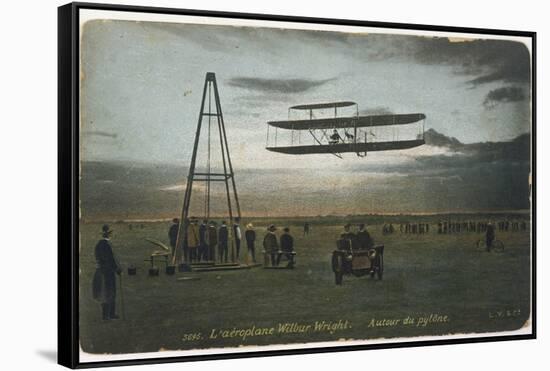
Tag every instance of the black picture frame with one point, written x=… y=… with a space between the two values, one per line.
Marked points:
x=68 y=192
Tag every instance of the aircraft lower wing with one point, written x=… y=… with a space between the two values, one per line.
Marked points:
x=348 y=147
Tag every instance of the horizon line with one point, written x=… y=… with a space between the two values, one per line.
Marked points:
x=440 y=213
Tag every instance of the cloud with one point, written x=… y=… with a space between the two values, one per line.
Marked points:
x=434 y=138
x=277 y=85
x=503 y=95
x=485 y=175
x=492 y=60
x=505 y=61
x=465 y=156
x=485 y=61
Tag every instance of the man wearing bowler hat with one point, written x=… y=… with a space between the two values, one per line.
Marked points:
x=104 y=283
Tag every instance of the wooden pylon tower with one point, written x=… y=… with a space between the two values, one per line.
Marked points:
x=211 y=112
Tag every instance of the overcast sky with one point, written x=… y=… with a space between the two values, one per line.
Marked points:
x=142 y=84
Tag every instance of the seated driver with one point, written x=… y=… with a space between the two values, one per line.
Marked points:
x=364 y=239
x=347 y=238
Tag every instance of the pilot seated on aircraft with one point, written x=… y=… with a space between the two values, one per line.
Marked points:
x=335 y=138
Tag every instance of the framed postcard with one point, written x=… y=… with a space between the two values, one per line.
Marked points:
x=239 y=185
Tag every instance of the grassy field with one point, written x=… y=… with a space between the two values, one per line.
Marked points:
x=442 y=275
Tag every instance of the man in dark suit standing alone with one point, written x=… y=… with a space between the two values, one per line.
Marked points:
x=104 y=283
x=489 y=236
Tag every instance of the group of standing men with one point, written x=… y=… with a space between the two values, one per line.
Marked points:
x=272 y=249
x=205 y=241
x=414 y=228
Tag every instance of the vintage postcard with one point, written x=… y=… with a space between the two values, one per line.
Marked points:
x=260 y=185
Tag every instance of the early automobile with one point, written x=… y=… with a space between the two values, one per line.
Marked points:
x=349 y=259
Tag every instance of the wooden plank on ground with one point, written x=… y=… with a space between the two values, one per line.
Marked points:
x=202 y=264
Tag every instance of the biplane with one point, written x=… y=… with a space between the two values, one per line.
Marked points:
x=345 y=133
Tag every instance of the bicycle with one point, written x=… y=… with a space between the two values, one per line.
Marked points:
x=496 y=245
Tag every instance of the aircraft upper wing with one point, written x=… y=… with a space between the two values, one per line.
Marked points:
x=349 y=122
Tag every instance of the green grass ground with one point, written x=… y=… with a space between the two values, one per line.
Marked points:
x=426 y=274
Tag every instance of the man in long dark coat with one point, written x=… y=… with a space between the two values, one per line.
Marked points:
x=104 y=283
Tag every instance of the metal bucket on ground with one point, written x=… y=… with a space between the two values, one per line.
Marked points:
x=184 y=267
